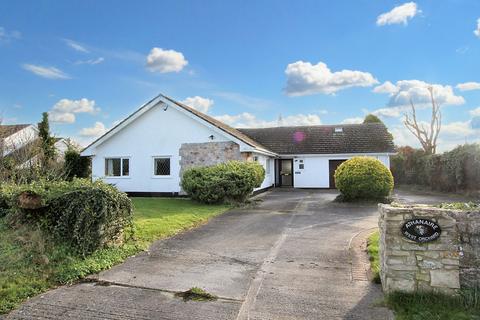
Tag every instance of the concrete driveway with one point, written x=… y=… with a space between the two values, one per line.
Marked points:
x=295 y=255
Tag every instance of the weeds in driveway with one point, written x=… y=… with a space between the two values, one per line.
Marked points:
x=196 y=294
x=31 y=264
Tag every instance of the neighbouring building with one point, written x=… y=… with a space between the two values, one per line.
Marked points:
x=147 y=152
x=21 y=141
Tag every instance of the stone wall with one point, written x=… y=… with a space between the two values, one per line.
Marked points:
x=208 y=153
x=444 y=265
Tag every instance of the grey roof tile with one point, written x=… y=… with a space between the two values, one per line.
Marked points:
x=355 y=138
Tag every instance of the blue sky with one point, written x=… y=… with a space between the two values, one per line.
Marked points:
x=91 y=63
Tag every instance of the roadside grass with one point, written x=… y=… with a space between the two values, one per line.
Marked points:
x=31 y=264
x=372 y=249
x=413 y=306
x=419 y=306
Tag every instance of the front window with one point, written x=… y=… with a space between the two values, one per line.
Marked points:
x=267 y=166
x=117 y=167
x=161 y=166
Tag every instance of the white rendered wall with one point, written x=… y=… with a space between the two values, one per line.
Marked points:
x=155 y=133
x=270 y=174
x=316 y=172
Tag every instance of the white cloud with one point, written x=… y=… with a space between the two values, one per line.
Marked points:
x=405 y=90
x=477 y=31
x=303 y=78
x=97 y=130
x=399 y=14
x=46 y=72
x=65 y=109
x=403 y=137
x=417 y=91
x=451 y=135
x=76 y=46
x=61 y=117
x=164 y=61
x=248 y=120
x=467 y=86
x=475 y=112
x=91 y=61
x=7 y=36
x=393 y=112
x=386 y=87
x=199 y=103
x=458 y=129
x=352 y=120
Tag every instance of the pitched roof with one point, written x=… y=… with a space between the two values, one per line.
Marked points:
x=9 y=129
x=26 y=151
x=222 y=126
x=355 y=138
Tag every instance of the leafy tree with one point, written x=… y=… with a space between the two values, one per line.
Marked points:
x=75 y=165
x=371 y=118
x=47 y=140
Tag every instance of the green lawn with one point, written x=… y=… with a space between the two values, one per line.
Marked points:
x=419 y=306
x=30 y=265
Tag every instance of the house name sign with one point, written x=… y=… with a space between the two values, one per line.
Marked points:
x=421 y=230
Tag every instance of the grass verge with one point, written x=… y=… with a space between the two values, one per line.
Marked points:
x=372 y=249
x=31 y=264
x=413 y=306
x=419 y=306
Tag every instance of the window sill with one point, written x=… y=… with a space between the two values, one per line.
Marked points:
x=162 y=177
x=115 y=178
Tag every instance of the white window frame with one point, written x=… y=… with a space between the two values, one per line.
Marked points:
x=268 y=166
x=121 y=176
x=154 y=176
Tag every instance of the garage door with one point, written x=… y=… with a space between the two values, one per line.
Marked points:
x=333 y=164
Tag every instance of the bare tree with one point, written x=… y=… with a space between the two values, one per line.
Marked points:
x=426 y=135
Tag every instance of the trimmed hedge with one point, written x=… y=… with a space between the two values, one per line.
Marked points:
x=455 y=170
x=363 y=178
x=82 y=214
x=230 y=181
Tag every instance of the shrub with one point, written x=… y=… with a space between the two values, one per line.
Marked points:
x=82 y=214
x=466 y=206
x=363 y=178
x=75 y=165
x=455 y=170
x=231 y=181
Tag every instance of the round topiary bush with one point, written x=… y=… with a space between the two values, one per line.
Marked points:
x=363 y=178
